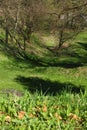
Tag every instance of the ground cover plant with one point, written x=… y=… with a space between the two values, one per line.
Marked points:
x=38 y=111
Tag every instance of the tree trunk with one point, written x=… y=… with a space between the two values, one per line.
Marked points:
x=60 y=39
x=24 y=44
x=6 y=35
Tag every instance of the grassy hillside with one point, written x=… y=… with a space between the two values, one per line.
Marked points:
x=49 y=90
x=68 y=66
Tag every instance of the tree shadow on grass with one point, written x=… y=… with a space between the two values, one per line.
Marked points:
x=73 y=61
x=36 y=84
x=83 y=45
x=82 y=55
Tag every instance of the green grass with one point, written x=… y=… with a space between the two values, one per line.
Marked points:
x=66 y=111
x=9 y=71
x=54 y=87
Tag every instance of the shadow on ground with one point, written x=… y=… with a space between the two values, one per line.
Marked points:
x=35 y=84
x=83 y=45
x=74 y=60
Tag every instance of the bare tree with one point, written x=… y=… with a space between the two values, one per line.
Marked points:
x=70 y=17
x=20 y=18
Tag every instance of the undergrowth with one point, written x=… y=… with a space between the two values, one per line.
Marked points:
x=67 y=111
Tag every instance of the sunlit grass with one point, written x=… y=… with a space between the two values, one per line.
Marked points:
x=39 y=108
x=65 y=111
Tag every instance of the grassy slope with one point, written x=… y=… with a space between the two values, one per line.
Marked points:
x=77 y=76
x=64 y=111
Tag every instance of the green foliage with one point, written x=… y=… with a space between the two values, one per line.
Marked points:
x=43 y=112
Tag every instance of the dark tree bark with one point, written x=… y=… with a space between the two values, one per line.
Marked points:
x=6 y=35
